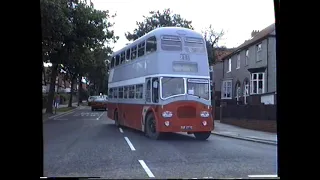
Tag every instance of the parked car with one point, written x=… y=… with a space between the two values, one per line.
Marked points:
x=90 y=99
x=99 y=103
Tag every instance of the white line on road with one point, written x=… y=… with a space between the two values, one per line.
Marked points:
x=145 y=167
x=60 y=119
x=129 y=143
x=59 y=116
x=100 y=115
x=262 y=176
x=120 y=130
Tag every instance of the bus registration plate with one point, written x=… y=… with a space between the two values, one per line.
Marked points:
x=186 y=127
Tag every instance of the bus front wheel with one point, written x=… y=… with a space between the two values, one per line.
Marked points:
x=202 y=135
x=151 y=130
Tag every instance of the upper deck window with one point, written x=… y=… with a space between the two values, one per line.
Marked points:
x=134 y=52
x=128 y=53
x=112 y=62
x=141 y=49
x=151 y=45
x=171 y=43
x=122 y=57
x=195 y=45
x=117 y=60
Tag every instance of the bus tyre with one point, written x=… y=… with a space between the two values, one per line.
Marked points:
x=151 y=130
x=116 y=119
x=202 y=135
x=92 y=109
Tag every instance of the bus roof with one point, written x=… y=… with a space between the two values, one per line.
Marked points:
x=162 y=31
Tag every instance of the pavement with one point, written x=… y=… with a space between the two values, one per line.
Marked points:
x=231 y=131
x=83 y=143
x=61 y=106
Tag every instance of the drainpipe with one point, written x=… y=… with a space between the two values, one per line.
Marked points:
x=267 y=65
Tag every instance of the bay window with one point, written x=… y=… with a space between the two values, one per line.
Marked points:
x=257 y=83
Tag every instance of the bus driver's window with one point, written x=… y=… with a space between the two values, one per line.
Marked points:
x=155 y=90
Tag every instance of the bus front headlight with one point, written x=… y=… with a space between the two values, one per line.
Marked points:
x=204 y=114
x=167 y=114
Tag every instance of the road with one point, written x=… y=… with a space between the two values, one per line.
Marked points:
x=86 y=144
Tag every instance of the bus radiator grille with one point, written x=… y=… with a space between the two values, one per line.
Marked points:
x=186 y=112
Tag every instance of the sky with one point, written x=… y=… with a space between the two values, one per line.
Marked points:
x=237 y=18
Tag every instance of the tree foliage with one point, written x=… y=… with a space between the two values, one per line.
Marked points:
x=73 y=32
x=157 y=19
x=212 y=38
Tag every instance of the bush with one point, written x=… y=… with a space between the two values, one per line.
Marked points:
x=64 y=98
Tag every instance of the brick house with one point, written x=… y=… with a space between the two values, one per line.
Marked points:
x=247 y=75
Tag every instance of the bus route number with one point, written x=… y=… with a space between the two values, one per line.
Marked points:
x=184 y=57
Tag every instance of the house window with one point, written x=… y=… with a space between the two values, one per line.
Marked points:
x=238 y=61
x=226 y=89
x=238 y=91
x=246 y=91
x=257 y=83
x=259 y=50
x=247 y=57
x=229 y=65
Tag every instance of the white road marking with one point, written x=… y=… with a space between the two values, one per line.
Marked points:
x=100 y=115
x=129 y=143
x=61 y=115
x=263 y=176
x=120 y=130
x=60 y=119
x=145 y=167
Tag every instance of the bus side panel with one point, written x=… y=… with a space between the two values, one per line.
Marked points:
x=111 y=107
x=132 y=114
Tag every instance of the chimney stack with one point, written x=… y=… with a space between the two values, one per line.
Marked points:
x=254 y=33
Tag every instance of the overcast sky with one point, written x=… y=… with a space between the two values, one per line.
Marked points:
x=236 y=17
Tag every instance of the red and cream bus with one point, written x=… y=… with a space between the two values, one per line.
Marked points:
x=161 y=83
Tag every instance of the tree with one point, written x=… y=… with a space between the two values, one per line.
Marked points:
x=212 y=38
x=90 y=32
x=98 y=74
x=71 y=29
x=55 y=26
x=155 y=20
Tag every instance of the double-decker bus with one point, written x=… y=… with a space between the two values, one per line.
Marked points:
x=161 y=83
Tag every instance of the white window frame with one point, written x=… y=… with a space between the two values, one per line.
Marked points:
x=238 y=61
x=257 y=80
x=229 y=65
x=259 y=50
x=247 y=57
x=246 y=91
x=238 y=88
x=225 y=86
